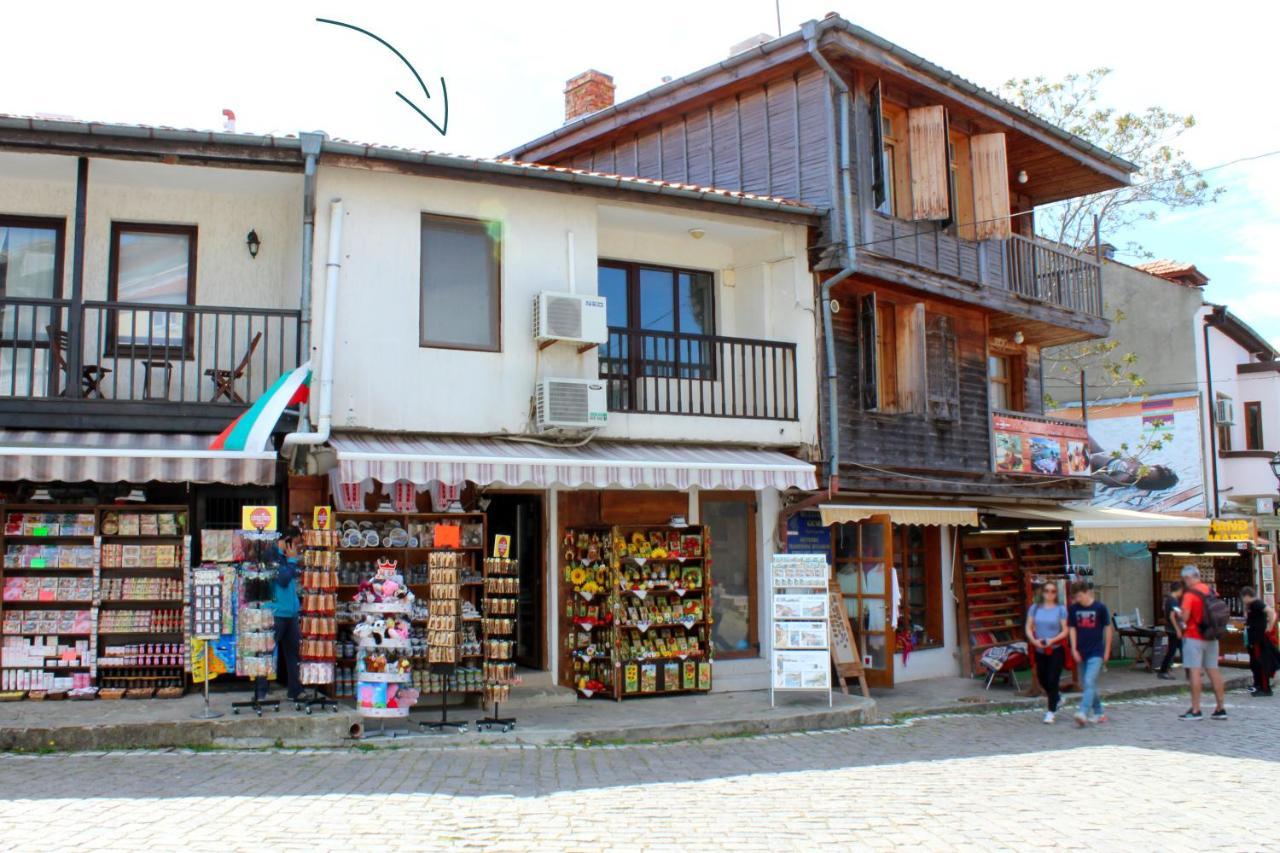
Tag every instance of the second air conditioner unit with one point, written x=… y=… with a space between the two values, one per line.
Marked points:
x=1224 y=412
x=571 y=404
x=572 y=317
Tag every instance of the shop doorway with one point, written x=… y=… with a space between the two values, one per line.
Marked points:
x=863 y=559
x=731 y=517
x=520 y=516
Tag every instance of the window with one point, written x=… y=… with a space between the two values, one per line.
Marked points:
x=1004 y=378
x=1253 y=426
x=886 y=357
x=460 y=304
x=861 y=553
x=152 y=265
x=1223 y=424
x=732 y=520
x=891 y=359
x=658 y=319
x=916 y=551
x=30 y=268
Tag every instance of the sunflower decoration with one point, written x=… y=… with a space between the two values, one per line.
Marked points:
x=658 y=553
x=577 y=576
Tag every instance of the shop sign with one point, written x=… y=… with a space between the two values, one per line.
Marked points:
x=1040 y=446
x=258 y=518
x=1230 y=530
x=322 y=518
x=502 y=545
x=1269 y=522
x=806 y=534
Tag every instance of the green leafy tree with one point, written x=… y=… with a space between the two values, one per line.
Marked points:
x=1165 y=178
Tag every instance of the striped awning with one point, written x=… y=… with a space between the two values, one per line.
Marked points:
x=128 y=457
x=922 y=514
x=453 y=460
x=1110 y=525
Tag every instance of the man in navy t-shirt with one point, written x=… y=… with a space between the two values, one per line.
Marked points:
x=1089 y=623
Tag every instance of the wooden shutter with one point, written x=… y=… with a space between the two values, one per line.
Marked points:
x=911 y=358
x=990 y=186
x=930 y=172
x=879 y=186
x=944 y=368
x=867 y=352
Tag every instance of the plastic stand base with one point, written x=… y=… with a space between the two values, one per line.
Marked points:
x=258 y=705
x=496 y=722
x=382 y=731
x=444 y=722
x=317 y=699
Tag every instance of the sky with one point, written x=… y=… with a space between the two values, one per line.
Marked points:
x=505 y=64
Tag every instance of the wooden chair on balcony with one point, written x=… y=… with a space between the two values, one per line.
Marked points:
x=224 y=381
x=91 y=375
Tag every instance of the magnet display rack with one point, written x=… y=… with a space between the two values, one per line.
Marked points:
x=319 y=619
x=501 y=604
x=586 y=555
x=94 y=595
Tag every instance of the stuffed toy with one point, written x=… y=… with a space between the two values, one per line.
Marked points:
x=366 y=594
x=404 y=665
x=397 y=629
x=374 y=629
x=375 y=663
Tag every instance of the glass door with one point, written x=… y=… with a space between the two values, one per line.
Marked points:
x=731 y=517
x=863 y=559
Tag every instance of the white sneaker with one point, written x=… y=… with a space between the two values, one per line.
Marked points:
x=1048 y=718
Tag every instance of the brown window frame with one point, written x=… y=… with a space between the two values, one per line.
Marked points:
x=753 y=587
x=930 y=549
x=1253 y=425
x=1014 y=383
x=112 y=345
x=58 y=225
x=495 y=285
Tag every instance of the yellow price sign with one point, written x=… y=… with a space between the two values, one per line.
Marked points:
x=258 y=518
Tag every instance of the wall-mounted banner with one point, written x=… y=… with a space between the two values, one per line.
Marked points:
x=1231 y=530
x=1030 y=445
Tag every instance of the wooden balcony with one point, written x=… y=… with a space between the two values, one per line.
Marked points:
x=136 y=366
x=668 y=373
x=1038 y=273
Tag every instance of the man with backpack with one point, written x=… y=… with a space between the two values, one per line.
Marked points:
x=1204 y=618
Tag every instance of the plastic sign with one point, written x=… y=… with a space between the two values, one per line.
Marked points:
x=322 y=518
x=258 y=518
x=1231 y=530
x=502 y=545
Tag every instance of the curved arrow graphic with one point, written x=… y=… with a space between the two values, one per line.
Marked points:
x=442 y=129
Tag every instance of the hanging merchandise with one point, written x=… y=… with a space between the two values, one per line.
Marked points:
x=318 y=620
x=501 y=596
x=384 y=651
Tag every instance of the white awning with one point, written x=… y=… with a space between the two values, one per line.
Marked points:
x=127 y=457
x=960 y=516
x=453 y=460
x=1108 y=525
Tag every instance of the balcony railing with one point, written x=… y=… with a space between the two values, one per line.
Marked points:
x=668 y=373
x=142 y=352
x=1032 y=268
x=1053 y=274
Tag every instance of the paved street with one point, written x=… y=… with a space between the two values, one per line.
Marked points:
x=1143 y=782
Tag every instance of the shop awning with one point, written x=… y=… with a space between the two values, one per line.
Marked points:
x=960 y=516
x=453 y=460
x=128 y=457
x=1108 y=525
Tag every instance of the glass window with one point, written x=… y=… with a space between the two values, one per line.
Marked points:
x=460 y=303
x=611 y=283
x=733 y=591
x=152 y=265
x=694 y=316
x=861 y=562
x=657 y=301
x=1253 y=426
x=664 y=311
x=30 y=268
x=921 y=611
x=29 y=259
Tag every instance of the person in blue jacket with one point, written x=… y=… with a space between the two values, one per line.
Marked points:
x=285 y=606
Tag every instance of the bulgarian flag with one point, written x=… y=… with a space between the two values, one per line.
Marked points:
x=252 y=431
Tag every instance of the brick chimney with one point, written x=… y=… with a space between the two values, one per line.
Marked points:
x=589 y=92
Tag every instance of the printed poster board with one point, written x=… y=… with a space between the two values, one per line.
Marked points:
x=1040 y=446
x=801 y=670
x=800 y=658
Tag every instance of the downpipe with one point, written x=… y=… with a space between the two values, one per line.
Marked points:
x=310 y=144
x=329 y=336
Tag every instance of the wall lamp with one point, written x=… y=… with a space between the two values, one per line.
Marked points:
x=253 y=242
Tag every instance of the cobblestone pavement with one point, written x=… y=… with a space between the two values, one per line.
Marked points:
x=1144 y=781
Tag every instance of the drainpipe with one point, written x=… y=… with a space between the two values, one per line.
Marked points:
x=329 y=332
x=310 y=143
x=810 y=32
x=1213 y=411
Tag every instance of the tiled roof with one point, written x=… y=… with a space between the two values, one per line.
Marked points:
x=374 y=151
x=1175 y=271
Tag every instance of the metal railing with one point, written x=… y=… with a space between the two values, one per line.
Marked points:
x=1053 y=274
x=668 y=373
x=137 y=351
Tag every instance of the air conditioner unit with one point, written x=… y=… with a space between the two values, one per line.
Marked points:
x=570 y=317
x=571 y=404
x=1224 y=412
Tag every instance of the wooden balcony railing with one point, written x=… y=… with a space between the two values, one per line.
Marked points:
x=135 y=351
x=1053 y=274
x=668 y=373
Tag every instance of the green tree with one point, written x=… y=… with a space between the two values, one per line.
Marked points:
x=1165 y=178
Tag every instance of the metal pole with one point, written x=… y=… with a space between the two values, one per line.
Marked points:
x=75 y=318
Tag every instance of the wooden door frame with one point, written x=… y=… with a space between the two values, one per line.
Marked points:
x=874 y=677
x=549 y=536
x=750 y=498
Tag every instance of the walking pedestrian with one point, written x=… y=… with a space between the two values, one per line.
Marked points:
x=1199 y=654
x=1264 y=658
x=1173 y=631
x=1047 y=634
x=1089 y=622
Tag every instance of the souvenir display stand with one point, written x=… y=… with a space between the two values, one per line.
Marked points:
x=501 y=600
x=318 y=619
x=206 y=627
x=639 y=610
x=384 y=650
x=445 y=618
x=94 y=600
x=800 y=655
x=255 y=618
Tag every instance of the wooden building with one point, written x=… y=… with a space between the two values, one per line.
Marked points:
x=937 y=295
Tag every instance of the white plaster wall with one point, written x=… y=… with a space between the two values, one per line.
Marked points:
x=385 y=380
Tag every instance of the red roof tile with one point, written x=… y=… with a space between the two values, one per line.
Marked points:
x=1175 y=271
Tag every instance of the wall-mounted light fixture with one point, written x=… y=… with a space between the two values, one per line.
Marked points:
x=1018 y=337
x=697 y=233
x=1022 y=176
x=252 y=241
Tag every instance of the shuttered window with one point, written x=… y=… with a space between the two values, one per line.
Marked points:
x=990 y=185
x=892 y=351
x=943 y=368
x=930 y=163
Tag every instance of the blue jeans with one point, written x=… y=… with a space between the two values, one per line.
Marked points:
x=1091 y=699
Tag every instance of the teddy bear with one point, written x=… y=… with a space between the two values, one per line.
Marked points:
x=404 y=665
x=374 y=629
x=375 y=663
x=397 y=629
